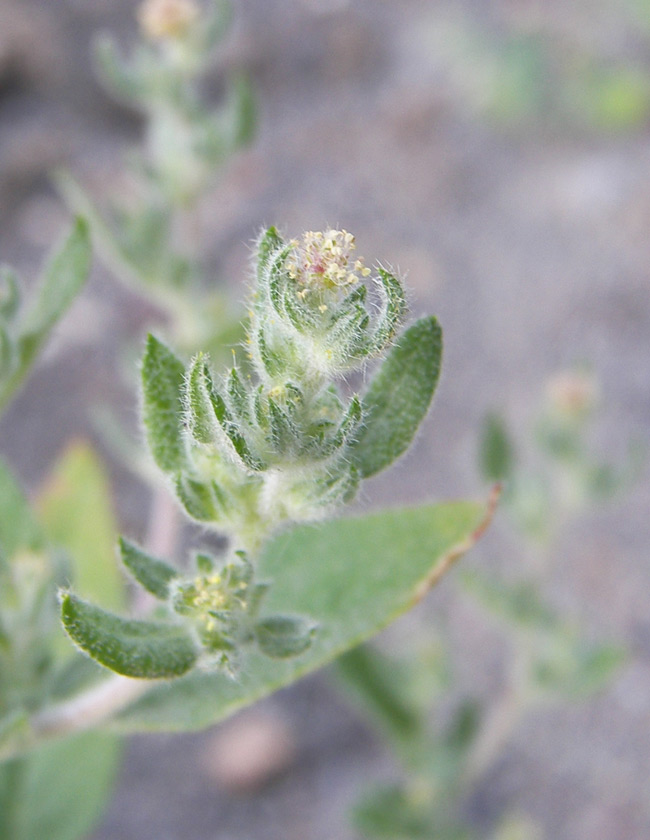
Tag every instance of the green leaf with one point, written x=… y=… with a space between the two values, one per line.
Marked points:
x=116 y=74
x=370 y=677
x=244 y=108
x=351 y=577
x=18 y=529
x=62 y=280
x=281 y=636
x=153 y=574
x=398 y=398
x=517 y=604
x=198 y=499
x=200 y=412
x=393 y=309
x=162 y=385
x=270 y=242
x=7 y=353
x=144 y=649
x=9 y=292
x=14 y=731
x=59 y=791
x=208 y=417
x=76 y=511
x=496 y=454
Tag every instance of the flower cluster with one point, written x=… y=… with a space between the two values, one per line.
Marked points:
x=311 y=318
x=322 y=262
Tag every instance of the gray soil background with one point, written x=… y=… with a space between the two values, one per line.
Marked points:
x=531 y=245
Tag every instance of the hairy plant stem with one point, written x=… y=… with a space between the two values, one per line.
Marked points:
x=92 y=707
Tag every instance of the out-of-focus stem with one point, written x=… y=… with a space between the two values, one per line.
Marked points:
x=91 y=708
x=164 y=523
x=500 y=722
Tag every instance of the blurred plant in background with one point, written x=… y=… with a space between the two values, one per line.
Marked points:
x=150 y=239
x=538 y=65
x=551 y=659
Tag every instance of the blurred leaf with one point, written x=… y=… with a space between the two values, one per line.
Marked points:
x=77 y=514
x=389 y=813
x=400 y=813
x=214 y=25
x=244 y=111
x=144 y=649
x=9 y=292
x=609 y=98
x=496 y=453
x=463 y=729
x=518 y=827
x=14 y=729
x=117 y=75
x=7 y=353
x=519 y=83
x=62 y=280
x=351 y=577
x=398 y=398
x=378 y=682
x=18 y=528
x=59 y=791
x=518 y=603
x=569 y=666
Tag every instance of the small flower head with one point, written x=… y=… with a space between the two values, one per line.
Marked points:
x=317 y=311
x=218 y=603
x=323 y=262
x=162 y=20
x=572 y=394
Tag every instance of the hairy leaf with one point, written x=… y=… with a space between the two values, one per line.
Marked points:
x=145 y=649
x=281 y=636
x=162 y=383
x=199 y=500
x=153 y=574
x=398 y=398
x=350 y=577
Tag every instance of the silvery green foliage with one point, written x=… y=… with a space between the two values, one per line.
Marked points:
x=212 y=617
x=249 y=451
x=185 y=141
x=24 y=327
x=142 y=233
